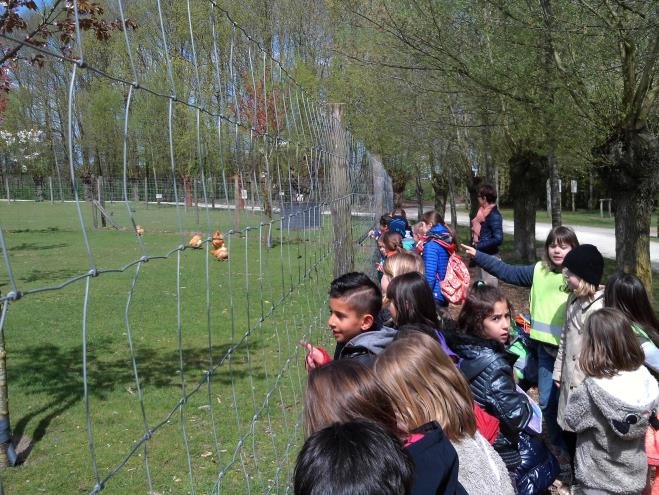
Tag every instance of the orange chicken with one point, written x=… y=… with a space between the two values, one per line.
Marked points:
x=221 y=253
x=218 y=239
x=195 y=242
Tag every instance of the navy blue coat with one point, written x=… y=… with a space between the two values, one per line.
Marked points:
x=491 y=235
x=539 y=466
x=435 y=463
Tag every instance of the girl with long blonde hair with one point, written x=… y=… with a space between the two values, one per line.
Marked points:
x=425 y=387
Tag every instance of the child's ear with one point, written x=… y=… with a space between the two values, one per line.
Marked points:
x=367 y=322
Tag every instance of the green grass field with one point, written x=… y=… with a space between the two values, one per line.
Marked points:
x=262 y=302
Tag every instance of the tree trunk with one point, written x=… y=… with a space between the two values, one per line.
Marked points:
x=554 y=179
x=629 y=165
x=419 y=194
x=378 y=184
x=440 y=187
x=454 y=210
x=548 y=114
x=527 y=174
x=135 y=189
x=38 y=182
x=265 y=187
x=473 y=186
x=488 y=166
x=438 y=182
x=187 y=188
x=591 y=198
x=398 y=198
x=341 y=201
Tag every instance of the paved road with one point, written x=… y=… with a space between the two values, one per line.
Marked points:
x=603 y=238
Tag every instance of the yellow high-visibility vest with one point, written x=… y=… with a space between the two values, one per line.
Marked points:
x=548 y=303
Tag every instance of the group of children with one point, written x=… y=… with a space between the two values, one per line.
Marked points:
x=415 y=403
x=432 y=240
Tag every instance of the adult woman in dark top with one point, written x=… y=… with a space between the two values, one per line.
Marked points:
x=487 y=228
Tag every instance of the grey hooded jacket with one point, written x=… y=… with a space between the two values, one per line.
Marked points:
x=366 y=346
x=610 y=417
x=481 y=469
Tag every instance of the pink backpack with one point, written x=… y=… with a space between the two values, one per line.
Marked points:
x=455 y=285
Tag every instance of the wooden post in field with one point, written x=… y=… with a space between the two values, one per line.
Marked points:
x=211 y=191
x=146 y=191
x=89 y=196
x=7 y=188
x=238 y=202
x=101 y=199
x=50 y=186
x=196 y=200
x=340 y=197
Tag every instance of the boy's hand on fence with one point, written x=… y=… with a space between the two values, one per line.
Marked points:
x=470 y=250
x=316 y=356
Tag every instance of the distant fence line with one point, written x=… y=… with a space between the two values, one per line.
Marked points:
x=231 y=192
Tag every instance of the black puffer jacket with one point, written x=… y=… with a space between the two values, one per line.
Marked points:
x=489 y=369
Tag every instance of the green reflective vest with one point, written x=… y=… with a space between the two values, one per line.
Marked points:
x=548 y=303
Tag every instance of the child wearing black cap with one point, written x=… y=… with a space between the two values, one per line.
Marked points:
x=582 y=269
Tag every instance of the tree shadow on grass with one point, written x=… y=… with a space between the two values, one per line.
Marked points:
x=49 y=275
x=35 y=246
x=57 y=373
x=48 y=230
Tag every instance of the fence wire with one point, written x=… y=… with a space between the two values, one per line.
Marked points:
x=241 y=147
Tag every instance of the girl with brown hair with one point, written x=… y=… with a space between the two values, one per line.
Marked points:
x=612 y=408
x=482 y=334
x=392 y=243
x=425 y=386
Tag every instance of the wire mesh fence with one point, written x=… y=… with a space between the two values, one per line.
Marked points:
x=161 y=355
